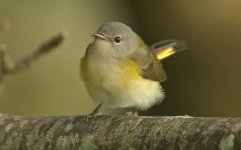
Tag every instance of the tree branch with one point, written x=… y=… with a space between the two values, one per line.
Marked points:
x=106 y=132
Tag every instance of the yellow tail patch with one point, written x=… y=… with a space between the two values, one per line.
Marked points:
x=165 y=53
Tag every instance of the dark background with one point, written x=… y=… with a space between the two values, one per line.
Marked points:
x=205 y=80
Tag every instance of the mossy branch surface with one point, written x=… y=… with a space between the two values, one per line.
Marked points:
x=119 y=132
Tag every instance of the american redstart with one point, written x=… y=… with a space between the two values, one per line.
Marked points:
x=120 y=70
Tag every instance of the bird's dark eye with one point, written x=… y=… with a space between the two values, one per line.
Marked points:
x=117 y=39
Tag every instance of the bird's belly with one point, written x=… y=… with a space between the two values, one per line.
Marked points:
x=121 y=86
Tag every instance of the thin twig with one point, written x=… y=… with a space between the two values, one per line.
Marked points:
x=5 y=25
x=42 y=49
x=7 y=65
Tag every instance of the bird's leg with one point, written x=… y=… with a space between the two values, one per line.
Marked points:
x=96 y=110
x=136 y=113
x=94 y=113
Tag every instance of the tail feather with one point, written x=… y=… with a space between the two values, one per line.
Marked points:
x=167 y=48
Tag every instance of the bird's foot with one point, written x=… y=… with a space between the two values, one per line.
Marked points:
x=132 y=113
x=93 y=115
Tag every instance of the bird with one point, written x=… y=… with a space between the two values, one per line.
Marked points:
x=119 y=70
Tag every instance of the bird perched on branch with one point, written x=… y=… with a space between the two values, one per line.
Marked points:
x=120 y=70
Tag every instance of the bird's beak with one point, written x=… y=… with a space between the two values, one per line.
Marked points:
x=100 y=36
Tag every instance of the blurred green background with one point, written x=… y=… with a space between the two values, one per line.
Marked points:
x=205 y=80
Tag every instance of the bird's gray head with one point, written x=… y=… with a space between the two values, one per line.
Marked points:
x=116 y=39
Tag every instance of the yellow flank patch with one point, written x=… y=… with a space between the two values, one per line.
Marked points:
x=132 y=71
x=123 y=73
x=165 y=53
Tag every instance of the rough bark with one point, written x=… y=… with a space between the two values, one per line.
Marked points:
x=119 y=132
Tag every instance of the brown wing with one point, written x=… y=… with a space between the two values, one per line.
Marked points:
x=159 y=51
x=154 y=71
x=151 y=68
